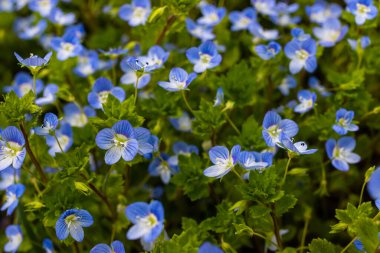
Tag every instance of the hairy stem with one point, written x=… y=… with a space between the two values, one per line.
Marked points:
x=232 y=123
x=187 y=103
x=286 y=171
x=169 y=23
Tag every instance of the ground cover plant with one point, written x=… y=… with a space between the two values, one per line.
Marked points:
x=189 y=126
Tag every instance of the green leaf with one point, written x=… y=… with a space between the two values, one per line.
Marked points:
x=243 y=229
x=321 y=246
x=285 y=203
x=14 y=108
x=156 y=14
x=207 y=119
x=367 y=232
x=125 y=110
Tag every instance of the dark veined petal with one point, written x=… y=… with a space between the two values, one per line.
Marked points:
x=118 y=247
x=218 y=153
x=157 y=209
x=125 y=128
x=61 y=229
x=101 y=248
x=104 y=139
x=137 y=209
x=76 y=231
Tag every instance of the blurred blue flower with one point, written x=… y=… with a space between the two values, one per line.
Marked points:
x=287 y=83
x=116 y=247
x=182 y=148
x=241 y=20
x=321 y=11
x=43 y=7
x=343 y=122
x=48 y=246
x=211 y=15
x=201 y=32
x=183 y=123
x=307 y=100
x=49 y=125
x=57 y=16
x=12 y=194
x=101 y=89
x=34 y=62
x=283 y=14
x=362 y=42
x=298 y=147
x=269 y=51
x=362 y=9
x=164 y=166
x=259 y=33
x=340 y=152
x=14 y=235
x=23 y=83
x=49 y=95
x=135 y=13
x=265 y=7
x=314 y=84
x=65 y=139
x=66 y=46
x=28 y=28
x=330 y=33
x=302 y=55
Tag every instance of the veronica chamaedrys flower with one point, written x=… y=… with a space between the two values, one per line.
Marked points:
x=57 y=16
x=299 y=148
x=265 y=7
x=23 y=83
x=119 y=141
x=242 y=19
x=373 y=186
x=47 y=245
x=273 y=126
x=343 y=122
x=147 y=219
x=133 y=67
x=14 y=235
x=144 y=140
x=49 y=125
x=204 y=57
x=116 y=247
x=87 y=63
x=12 y=150
x=43 y=7
x=223 y=160
x=65 y=139
x=201 y=32
x=164 y=166
x=208 y=247
x=102 y=88
x=156 y=58
x=269 y=51
x=66 y=46
x=34 y=63
x=178 y=80
x=211 y=15
x=72 y=222
x=362 y=42
x=321 y=11
x=302 y=55
x=283 y=14
x=8 y=177
x=307 y=100
x=12 y=194
x=315 y=84
x=29 y=28
x=255 y=160
x=183 y=123
x=182 y=148
x=362 y=9
x=286 y=84
x=49 y=95
x=299 y=34
x=330 y=33
x=340 y=152
x=219 y=98
x=260 y=34
x=75 y=115
x=136 y=13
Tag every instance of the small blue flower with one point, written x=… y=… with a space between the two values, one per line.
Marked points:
x=273 y=126
x=178 y=80
x=341 y=152
x=148 y=220
x=66 y=46
x=299 y=148
x=14 y=235
x=362 y=9
x=88 y=63
x=154 y=141
x=116 y=247
x=74 y=115
x=321 y=11
x=343 y=122
x=130 y=66
x=182 y=148
x=23 y=83
x=65 y=138
x=307 y=100
x=119 y=141
x=156 y=58
x=265 y=7
x=287 y=83
x=201 y=32
x=208 y=247
x=241 y=20
x=330 y=33
x=49 y=125
x=144 y=140
x=314 y=84
x=72 y=222
x=204 y=57
x=254 y=160
x=136 y=13
x=43 y=7
x=34 y=62
x=302 y=55
x=12 y=151
x=183 y=123
x=259 y=33
x=100 y=92
x=57 y=16
x=373 y=187
x=211 y=15
x=362 y=42
x=283 y=16
x=223 y=161
x=299 y=34
x=29 y=28
x=48 y=246
x=219 y=98
x=164 y=166
x=269 y=51
x=49 y=95
x=13 y=193
x=8 y=177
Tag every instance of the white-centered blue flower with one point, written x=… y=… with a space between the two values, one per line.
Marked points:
x=66 y=46
x=204 y=57
x=299 y=148
x=14 y=235
x=65 y=139
x=340 y=152
x=307 y=100
x=8 y=177
x=30 y=27
x=12 y=194
x=265 y=7
x=72 y=222
x=102 y=88
x=49 y=125
x=362 y=42
x=23 y=83
x=269 y=51
x=362 y=9
x=330 y=33
x=12 y=151
x=211 y=15
x=178 y=80
x=321 y=11
x=116 y=247
x=43 y=7
x=49 y=95
x=241 y=20
x=182 y=123
x=302 y=55
x=57 y=16
x=136 y=13
x=164 y=166
x=344 y=122
x=201 y=32
x=223 y=161
x=251 y=160
x=286 y=84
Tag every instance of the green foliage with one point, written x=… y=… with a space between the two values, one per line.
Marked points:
x=322 y=246
x=14 y=108
x=208 y=119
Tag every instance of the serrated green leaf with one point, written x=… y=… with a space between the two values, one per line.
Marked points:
x=321 y=246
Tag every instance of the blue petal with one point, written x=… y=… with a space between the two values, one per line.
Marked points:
x=138 y=209
x=85 y=218
x=218 y=153
x=51 y=119
x=101 y=248
x=216 y=171
x=17 y=162
x=118 y=247
x=118 y=93
x=348 y=143
x=178 y=75
x=76 y=231
x=209 y=248
x=93 y=100
x=130 y=150
x=192 y=55
x=289 y=127
x=102 y=84
x=235 y=152
x=271 y=118
x=330 y=145
x=157 y=209
x=125 y=128
x=61 y=229
x=113 y=155
x=104 y=139
x=153 y=233
x=12 y=133
x=340 y=165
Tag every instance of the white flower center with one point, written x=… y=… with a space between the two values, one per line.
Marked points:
x=302 y=54
x=362 y=9
x=139 y=12
x=147 y=222
x=120 y=140
x=103 y=95
x=205 y=58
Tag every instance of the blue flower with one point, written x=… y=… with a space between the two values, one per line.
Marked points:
x=273 y=126
x=241 y=20
x=114 y=52
x=13 y=193
x=321 y=11
x=254 y=160
x=156 y=58
x=283 y=17
x=302 y=55
x=43 y=7
x=182 y=148
x=48 y=246
x=119 y=141
x=65 y=138
x=57 y=16
x=223 y=161
x=148 y=220
x=211 y=15
x=130 y=66
x=116 y=247
x=100 y=92
x=287 y=83
x=259 y=33
x=373 y=186
x=269 y=51
x=66 y=46
x=72 y=222
x=219 y=98
x=265 y=7
x=183 y=123
x=343 y=122
x=299 y=148
x=29 y=28
x=144 y=140
x=307 y=100
x=49 y=125
x=362 y=43
x=204 y=57
x=330 y=33
x=314 y=84
x=178 y=80
x=135 y=13
x=49 y=95
x=12 y=151
x=8 y=177
x=201 y=32
x=299 y=34
x=74 y=115
x=34 y=62
x=341 y=152
x=23 y=83
x=164 y=166
x=208 y=247
x=14 y=235
x=362 y=9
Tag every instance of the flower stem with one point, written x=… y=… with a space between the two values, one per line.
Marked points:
x=35 y=86
x=238 y=175
x=286 y=171
x=362 y=192
x=137 y=82
x=232 y=123
x=304 y=232
x=59 y=144
x=186 y=102
x=276 y=227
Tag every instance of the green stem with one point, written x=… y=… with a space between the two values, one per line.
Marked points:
x=137 y=82
x=348 y=245
x=114 y=72
x=362 y=192
x=186 y=102
x=59 y=144
x=34 y=85
x=286 y=171
x=238 y=175
x=276 y=227
x=304 y=232
x=232 y=123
